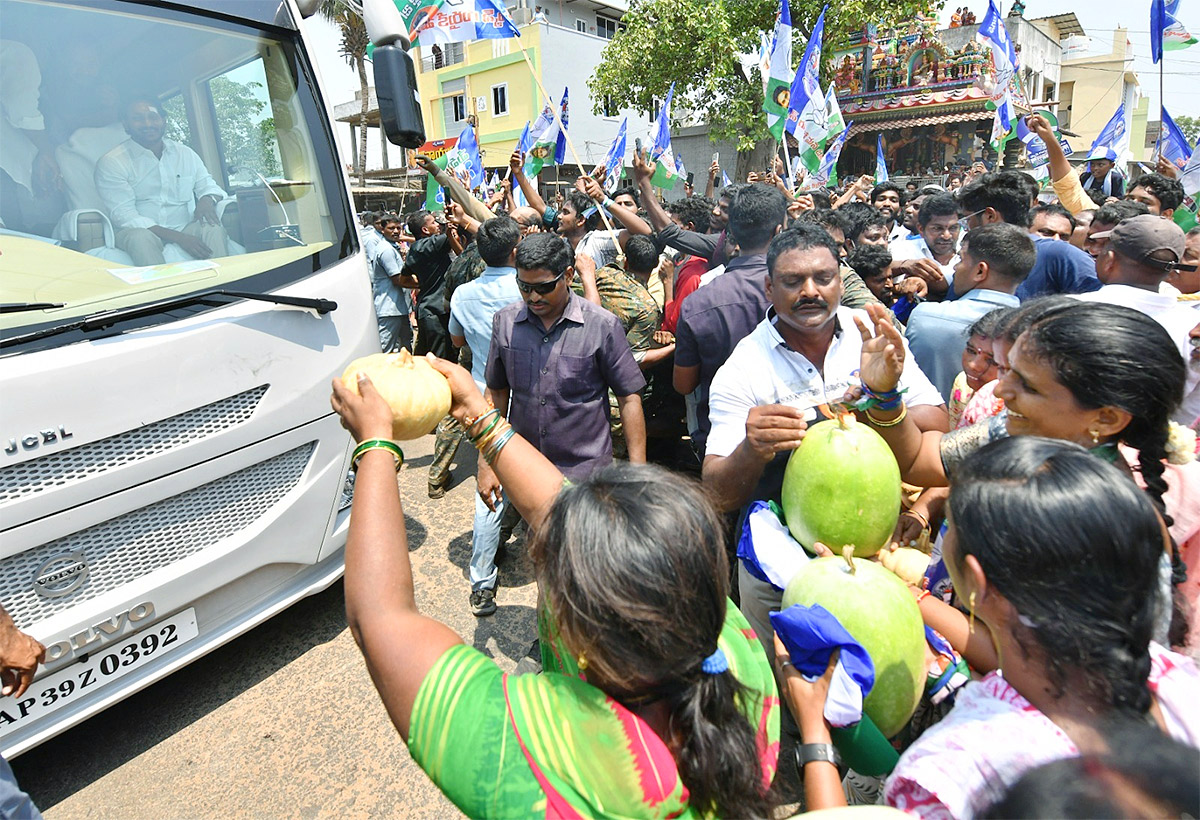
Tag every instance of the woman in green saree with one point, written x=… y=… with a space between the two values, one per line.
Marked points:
x=657 y=699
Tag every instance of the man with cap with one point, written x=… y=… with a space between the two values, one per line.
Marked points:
x=1142 y=250
x=1102 y=173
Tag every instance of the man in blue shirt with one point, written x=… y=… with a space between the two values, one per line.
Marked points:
x=994 y=260
x=391 y=300
x=1060 y=267
x=473 y=307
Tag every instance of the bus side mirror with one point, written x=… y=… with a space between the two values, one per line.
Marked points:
x=396 y=92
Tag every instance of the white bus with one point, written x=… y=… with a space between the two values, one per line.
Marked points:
x=172 y=474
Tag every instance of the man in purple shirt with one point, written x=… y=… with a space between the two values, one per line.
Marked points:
x=553 y=359
x=720 y=314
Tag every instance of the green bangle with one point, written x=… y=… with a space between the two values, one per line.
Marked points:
x=493 y=451
x=479 y=436
x=377 y=444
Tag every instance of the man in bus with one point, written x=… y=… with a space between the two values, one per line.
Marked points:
x=158 y=192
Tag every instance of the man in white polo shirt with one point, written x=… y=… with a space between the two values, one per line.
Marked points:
x=803 y=355
x=933 y=253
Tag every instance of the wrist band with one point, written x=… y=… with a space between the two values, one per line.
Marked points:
x=377 y=444
x=608 y=202
x=883 y=423
x=469 y=422
x=923 y=595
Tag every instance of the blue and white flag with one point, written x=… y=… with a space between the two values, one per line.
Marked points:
x=1167 y=33
x=679 y=166
x=805 y=95
x=1172 y=144
x=525 y=141
x=881 y=171
x=546 y=140
x=993 y=34
x=465 y=154
x=560 y=147
x=614 y=163
x=1113 y=140
x=458 y=21
x=725 y=181
x=666 y=170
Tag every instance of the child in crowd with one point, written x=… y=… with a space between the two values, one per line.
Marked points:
x=978 y=361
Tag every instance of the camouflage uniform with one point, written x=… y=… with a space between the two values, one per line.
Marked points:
x=466 y=268
x=855 y=293
x=640 y=316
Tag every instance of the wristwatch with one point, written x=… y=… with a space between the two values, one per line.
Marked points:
x=809 y=752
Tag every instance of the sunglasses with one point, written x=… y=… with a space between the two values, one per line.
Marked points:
x=541 y=288
x=962 y=223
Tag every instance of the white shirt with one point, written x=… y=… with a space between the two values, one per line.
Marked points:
x=141 y=191
x=916 y=248
x=1176 y=318
x=20 y=84
x=899 y=232
x=600 y=246
x=763 y=370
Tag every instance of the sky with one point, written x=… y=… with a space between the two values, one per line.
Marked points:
x=1098 y=18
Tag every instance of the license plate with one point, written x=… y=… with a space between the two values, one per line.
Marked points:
x=102 y=667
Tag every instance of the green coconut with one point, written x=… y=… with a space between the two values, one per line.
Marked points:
x=842 y=487
x=880 y=613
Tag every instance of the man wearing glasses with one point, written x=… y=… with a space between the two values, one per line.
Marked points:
x=933 y=254
x=554 y=356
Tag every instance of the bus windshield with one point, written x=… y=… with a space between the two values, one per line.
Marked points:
x=147 y=153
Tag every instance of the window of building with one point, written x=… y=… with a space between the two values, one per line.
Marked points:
x=608 y=108
x=581 y=26
x=500 y=100
x=606 y=27
x=655 y=106
x=454 y=109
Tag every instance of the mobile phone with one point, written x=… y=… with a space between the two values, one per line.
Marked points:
x=691 y=178
x=637 y=146
x=717 y=157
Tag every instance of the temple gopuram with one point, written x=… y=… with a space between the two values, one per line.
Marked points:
x=927 y=91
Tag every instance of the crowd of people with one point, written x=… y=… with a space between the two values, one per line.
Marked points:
x=1035 y=366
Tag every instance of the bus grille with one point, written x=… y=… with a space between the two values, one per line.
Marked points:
x=66 y=466
x=130 y=546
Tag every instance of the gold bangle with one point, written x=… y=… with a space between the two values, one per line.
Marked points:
x=882 y=423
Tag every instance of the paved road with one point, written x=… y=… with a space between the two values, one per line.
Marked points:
x=284 y=722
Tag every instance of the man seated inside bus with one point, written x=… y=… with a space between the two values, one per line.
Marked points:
x=160 y=197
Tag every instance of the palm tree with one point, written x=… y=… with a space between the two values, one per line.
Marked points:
x=354 y=49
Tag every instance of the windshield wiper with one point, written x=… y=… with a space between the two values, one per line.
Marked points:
x=18 y=307
x=212 y=298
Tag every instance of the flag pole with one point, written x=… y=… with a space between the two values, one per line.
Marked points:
x=612 y=232
x=787 y=163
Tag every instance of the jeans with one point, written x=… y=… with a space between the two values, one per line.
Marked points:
x=485 y=540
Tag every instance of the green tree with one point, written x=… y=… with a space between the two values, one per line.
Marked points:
x=1190 y=126
x=354 y=49
x=247 y=138
x=697 y=44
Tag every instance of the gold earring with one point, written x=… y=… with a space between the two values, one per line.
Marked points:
x=971 y=610
x=1095 y=436
x=582 y=662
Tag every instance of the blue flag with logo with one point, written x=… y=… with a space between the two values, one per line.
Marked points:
x=469 y=145
x=525 y=141
x=1172 y=144
x=881 y=171
x=805 y=95
x=725 y=181
x=560 y=147
x=666 y=170
x=828 y=168
x=1167 y=33
x=993 y=34
x=1113 y=137
x=614 y=163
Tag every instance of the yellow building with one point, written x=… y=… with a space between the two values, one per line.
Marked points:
x=488 y=83
x=1093 y=82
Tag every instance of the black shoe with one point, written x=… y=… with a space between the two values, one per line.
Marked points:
x=483 y=602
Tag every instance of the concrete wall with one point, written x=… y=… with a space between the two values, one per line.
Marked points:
x=1097 y=85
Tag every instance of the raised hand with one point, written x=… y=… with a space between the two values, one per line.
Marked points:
x=882 y=359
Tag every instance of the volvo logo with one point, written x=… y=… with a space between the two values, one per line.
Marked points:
x=61 y=575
